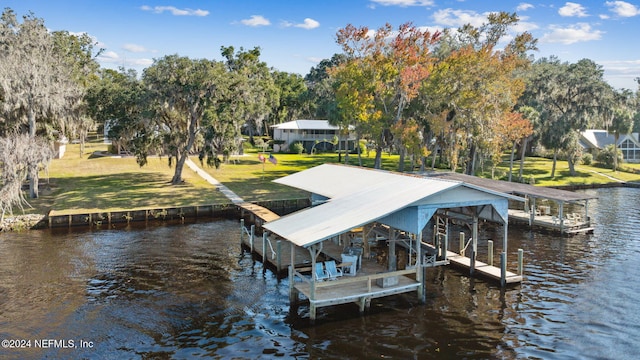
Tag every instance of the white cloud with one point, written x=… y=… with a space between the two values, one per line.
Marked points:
x=569 y=35
x=175 y=11
x=256 y=20
x=109 y=57
x=571 y=9
x=139 y=62
x=308 y=24
x=621 y=73
x=458 y=18
x=623 y=9
x=134 y=48
x=524 y=7
x=403 y=3
x=112 y=57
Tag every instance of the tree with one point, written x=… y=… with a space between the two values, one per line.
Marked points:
x=477 y=83
x=512 y=129
x=181 y=90
x=119 y=101
x=382 y=74
x=79 y=56
x=19 y=152
x=253 y=92
x=568 y=97
x=320 y=98
x=291 y=90
x=36 y=82
x=531 y=114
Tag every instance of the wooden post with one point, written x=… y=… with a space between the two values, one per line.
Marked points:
x=251 y=237
x=241 y=230
x=293 y=295
x=503 y=269
x=279 y=255
x=490 y=252
x=532 y=211
x=265 y=258
x=474 y=244
x=392 y=250
x=505 y=236
x=446 y=246
x=462 y=243
x=419 y=274
x=520 y=262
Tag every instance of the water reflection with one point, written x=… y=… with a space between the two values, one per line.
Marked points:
x=184 y=291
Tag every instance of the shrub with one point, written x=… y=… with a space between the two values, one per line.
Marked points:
x=296 y=148
x=605 y=156
x=587 y=159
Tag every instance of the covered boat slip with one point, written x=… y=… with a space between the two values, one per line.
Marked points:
x=552 y=209
x=352 y=197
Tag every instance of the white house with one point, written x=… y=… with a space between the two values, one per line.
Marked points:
x=629 y=144
x=318 y=134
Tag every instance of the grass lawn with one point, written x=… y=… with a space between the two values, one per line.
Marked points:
x=253 y=180
x=540 y=169
x=88 y=183
x=91 y=183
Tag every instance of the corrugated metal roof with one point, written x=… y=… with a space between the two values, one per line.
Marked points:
x=515 y=188
x=357 y=199
x=306 y=125
x=358 y=196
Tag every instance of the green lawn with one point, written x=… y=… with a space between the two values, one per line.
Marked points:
x=88 y=183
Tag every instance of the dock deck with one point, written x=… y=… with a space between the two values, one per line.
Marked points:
x=549 y=222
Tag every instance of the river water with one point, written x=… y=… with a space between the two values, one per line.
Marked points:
x=185 y=291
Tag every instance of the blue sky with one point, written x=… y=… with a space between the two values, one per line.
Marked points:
x=295 y=35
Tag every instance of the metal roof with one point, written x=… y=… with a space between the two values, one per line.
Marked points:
x=515 y=188
x=306 y=125
x=358 y=196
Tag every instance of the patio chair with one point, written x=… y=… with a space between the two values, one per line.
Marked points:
x=321 y=274
x=332 y=269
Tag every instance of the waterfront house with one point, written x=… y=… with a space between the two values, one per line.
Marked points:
x=313 y=134
x=629 y=144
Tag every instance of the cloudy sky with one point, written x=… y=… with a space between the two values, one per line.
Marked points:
x=295 y=35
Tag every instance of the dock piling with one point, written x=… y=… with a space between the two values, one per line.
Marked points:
x=265 y=238
x=520 y=262
x=490 y=252
x=503 y=269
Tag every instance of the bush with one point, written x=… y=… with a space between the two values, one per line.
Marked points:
x=296 y=148
x=587 y=159
x=605 y=156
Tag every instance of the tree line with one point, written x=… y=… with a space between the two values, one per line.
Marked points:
x=461 y=97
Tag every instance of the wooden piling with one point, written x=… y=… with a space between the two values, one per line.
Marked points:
x=520 y=262
x=490 y=252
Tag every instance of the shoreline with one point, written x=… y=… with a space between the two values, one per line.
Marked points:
x=28 y=222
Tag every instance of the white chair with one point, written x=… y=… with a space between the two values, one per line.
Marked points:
x=351 y=269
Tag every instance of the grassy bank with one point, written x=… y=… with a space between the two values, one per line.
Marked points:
x=81 y=183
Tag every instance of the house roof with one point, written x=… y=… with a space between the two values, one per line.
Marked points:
x=306 y=125
x=599 y=139
x=359 y=196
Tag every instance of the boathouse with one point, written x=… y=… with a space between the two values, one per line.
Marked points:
x=353 y=202
x=557 y=210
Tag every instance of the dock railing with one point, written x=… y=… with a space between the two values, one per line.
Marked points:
x=369 y=279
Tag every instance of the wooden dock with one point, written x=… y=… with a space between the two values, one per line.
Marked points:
x=551 y=223
x=483 y=269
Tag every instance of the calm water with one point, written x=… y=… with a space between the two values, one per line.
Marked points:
x=186 y=291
